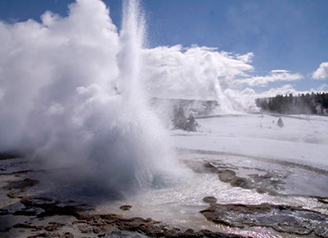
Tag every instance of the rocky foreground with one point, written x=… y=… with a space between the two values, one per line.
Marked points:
x=24 y=213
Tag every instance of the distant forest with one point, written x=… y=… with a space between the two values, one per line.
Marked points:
x=314 y=103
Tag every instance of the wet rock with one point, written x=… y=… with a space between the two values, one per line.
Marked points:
x=270 y=182
x=241 y=182
x=323 y=200
x=96 y=230
x=53 y=234
x=85 y=228
x=8 y=155
x=322 y=231
x=125 y=207
x=261 y=190
x=5 y=229
x=22 y=184
x=13 y=194
x=111 y=224
x=229 y=176
x=201 y=167
x=53 y=226
x=25 y=212
x=279 y=217
x=209 y=199
x=48 y=207
x=22 y=225
x=4 y=212
x=226 y=175
x=19 y=173
x=208 y=167
x=17 y=194
x=67 y=235
x=272 y=192
x=189 y=232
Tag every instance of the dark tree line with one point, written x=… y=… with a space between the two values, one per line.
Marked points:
x=314 y=103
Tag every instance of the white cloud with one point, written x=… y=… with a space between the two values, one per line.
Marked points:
x=323 y=88
x=321 y=72
x=273 y=76
x=289 y=89
x=279 y=71
x=284 y=90
x=247 y=58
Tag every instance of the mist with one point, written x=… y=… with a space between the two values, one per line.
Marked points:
x=71 y=96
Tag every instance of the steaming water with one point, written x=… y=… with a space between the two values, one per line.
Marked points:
x=180 y=205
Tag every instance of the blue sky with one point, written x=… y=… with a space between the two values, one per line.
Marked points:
x=289 y=34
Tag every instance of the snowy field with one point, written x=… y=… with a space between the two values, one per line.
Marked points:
x=303 y=139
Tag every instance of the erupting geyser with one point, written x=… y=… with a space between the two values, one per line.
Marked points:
x=70 y=94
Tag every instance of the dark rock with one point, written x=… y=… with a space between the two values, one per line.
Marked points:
x=229 y=176
x=147 y=227
x=28 y=226
x=8 y=155
x=209 y=199
x=281 y=218
x=261 y=190
x=85 y=228
x=22 y=184
x=189 y=232
x=203 y=167
x=322 y=231
x=13 y=194
x=96 y=230
x=4 y=229
x=323 y=200
x=4 y=212
x=208 y=167
x=53 y=226
x=67 y=235
x=17 y=194
x=270 y=182
x=226 y=175
x=125 y=207
x=53 y=234
x=25 y=212
x=241 y=182
x=51 y=207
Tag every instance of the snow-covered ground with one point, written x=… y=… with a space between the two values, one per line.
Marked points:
x=303 y=139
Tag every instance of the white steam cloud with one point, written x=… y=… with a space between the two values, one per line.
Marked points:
x=69 y=93
x=196 y=72
x=321 y=72
x=273 y=76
